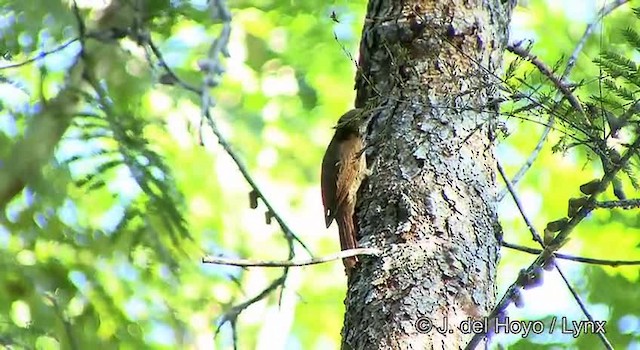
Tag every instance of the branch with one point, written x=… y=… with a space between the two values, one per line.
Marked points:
x=532 y=157
x=534 y=234
x=530 y=276
x=624 y=204
x=232 y=314
x=578 y=299
x=604 y=11
x=536 y=237
x=40 y=55
x=289 y=263
x=563 y=90
x=570 y=64
x=604 y=262
x=212 y=68
x=169 y=71
x=547 y=72
x=604 y=183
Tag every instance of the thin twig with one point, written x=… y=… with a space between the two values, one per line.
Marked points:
x=603 y=262
x=220 y=11
x=232 y=314
x=212 y=69
x=40 y=55
x=245 y=173
x=604 y=183
x=534 y=233
x=206 y=105
x=168 y=69
x=604 y=11
x=234 y=334
x=566 y=93
x=549 y=110
x=532 y=157
x=81 y=26
x=578 y=299
x=356 y=65
x=536 y=237
x=289 y=263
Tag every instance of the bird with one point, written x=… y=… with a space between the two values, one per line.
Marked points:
x=343 y=169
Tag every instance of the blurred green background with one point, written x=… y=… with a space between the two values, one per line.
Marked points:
x=87 y=254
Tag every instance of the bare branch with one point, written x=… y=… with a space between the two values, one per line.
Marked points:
x=604 y=183
x=624 y=204
x=214 y=68
x=529 y=162
x=168 y=69
x=532 y=274
x=232 y=314
x=604 y=262
x=234 y=333
x=289 y=263
x=578 y=299
x=40 y=55
x=536 y=237
x=534 y=233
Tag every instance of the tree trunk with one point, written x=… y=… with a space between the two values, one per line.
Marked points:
x=428 y=73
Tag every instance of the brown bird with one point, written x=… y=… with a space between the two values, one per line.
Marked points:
x=343 y=169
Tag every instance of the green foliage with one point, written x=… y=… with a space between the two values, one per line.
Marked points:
x=586 y=146
x=104 y=251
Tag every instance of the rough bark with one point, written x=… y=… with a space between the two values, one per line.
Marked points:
x=428 y=72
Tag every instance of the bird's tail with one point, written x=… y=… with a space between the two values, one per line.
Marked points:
x=346 y=229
